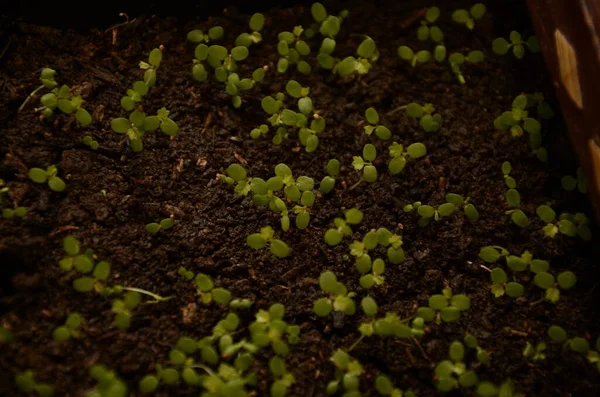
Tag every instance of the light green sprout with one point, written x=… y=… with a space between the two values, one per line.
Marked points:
x=291 y=48
x=39 y=175
x=365 y=163
x=198 y=36
x=26 y=383
x=257 y=22
x=501 y=285
x=483 y=356
x=371 y=273
x=491 y=254
x=427 y=212
x=390 y=325
x=552 y=286
x=457 y=60
x=468 y=18
x=347 y=373
x=267 y=236
x=570 y=183
x=8 y=213
x=123 y=309
x=335 y=235
x=567 y=224
x=371 y=241
x=535 y=353
x=328 y=182
x=385 y=387
x=324 y=58
x=453 y=373
x=576 y=344
x=407 y=54
x=90 y=142
x=429 y=31
x=270 y=329
x=70 y=329
x=141 y=87
x=372 y=118
x=430 y=122
x=303 y=211
x=66 y=102
x=48 y=82
x=501 y=46
x=165 y=224
x=108 y=384
x=283 y=379
x=400 y=156
x=138 y=124
x=446 y=307
x=509 y=180
x=208 y=293
x=367 y=54
x=339 y=299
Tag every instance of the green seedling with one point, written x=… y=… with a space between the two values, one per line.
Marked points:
x=501 y=285
x=457 y=60
x=391 y=241
x=328 y=182
x=70 y=329
x=26 y=383
x=439 y=53
x=367 y=54
x=303 y=211
x=328 y=25
x=208 y=293
x=567 y=224
x=593 y=356
x=576 y=344
x=460 y=202
x=185 y=273
x=123 y=309
x=108 y=384
x=291 y=48
x=371 y=272
x=339 y=299
x=446 y=307
x=267 y=236
x=66 y=102
x=400 y=156
x=535 y=353
x=491 y=254
x=283 y=379
x=385 y=387
x=198 y=36
x=138 y=124
x=365 y=163
x=407 y=54
x=335 y=235
x=390 y=325
x=237 y=175
x=453 y=373
x=48 y=82
x=8 y=213
x=468 y=18
x=39 y=175
x=430 y=122
x=372 y=118
x=347 y=374
x=257 y=22
x=270 y=329
x=518 y=217
x=570 y=183
x=509 y=180
x=372 y=239
x=429 y=31
x=324 y=58
x=90 y=142
x=165 y=224
x=141 y=87
x=501 y=46
x=427 y=212
x=483 y=356
x=552 y=286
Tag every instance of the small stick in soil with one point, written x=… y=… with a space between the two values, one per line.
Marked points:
x=516 y=332
x=356 y=343
x=29 y=98
x=421 y=348
x=410 y=356
x=115 y=28
x=485 y=268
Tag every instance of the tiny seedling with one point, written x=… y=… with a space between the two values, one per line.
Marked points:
x=491 y=254
x=427 y=212
x=198 y=36
x=328 y=25
x=446 y=307
x=429 y=31
x=165 y=224
x=372 y=239
x=570 y=183
x=509 y=180
x=270 y=329
x=518 y=119
x=430 y=122
x=237 y=175
x=48 y=82
x=283 y=379
x=391 y=325
x=335 y=235
x=483 y=356
x=460 y=202
x=518 y=217
x=141 y=87
x=208 y=293
x=552 y=286
x=407 y=54
x=372 y=118
x=535 y=353
x=577 y=344
x=70 y=329
x=6 y=336
x=400 y=156
x=501 y=46
x=123 y=309
x=367 y=54
x=138 y=124
x=371 y=273
x=62 y=99
x=385 y=387
x=267 y=236
x=39 y=175
x=291 y=48
x=365 y=163
x=257 y=22
x=8 y=213
x=567 y=224
x=347 y=374
x=108 y=384
x=328 y=182
x=501 y=285
x=453 y=373
x=391 y=241
x=26 y=383
x=468 y=18
x=339 y=299
x=90 y=142
x=457 y=60
x=303 y=211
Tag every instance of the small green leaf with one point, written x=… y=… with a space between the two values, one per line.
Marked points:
x=257 y=22
x=367 y=49
x=83 y=284
x=155 y=57
x=544 y=280
x=279 y=248
x=322 y=307
x=566 y=280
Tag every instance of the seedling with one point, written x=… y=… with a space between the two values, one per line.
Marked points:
x=267 y=236
x=270 y=329
x=535 y=353
x=138 y=124
x=400 y=156
x=198 y=36
x=460 y=202
x=339 y=299
x=372 y=239
x=257 y=21
x=385 y=387
x=392 y=242
x=446 y=307
x=371 y=272
x=367 y=54
x=482 y=355
x=500 y=286
x=351 y=217
x=427 y=212
x=468 y=18
x=291 y=48
x=509 y=180
x=70 y=329
x=593 y=356
x=347 y=374
x=570 y=183
x=123 y=309
x=547 y=282
x=391 y=325
x=576 y=344
x=108 y=384
x=429 y=31
x=372 y=118
x=567 y=224
x=26 y=383
x=407 y=54
x=500 y=46
x=328 y=182
x=303 y=211
x=329 y=25
x=208 y=292
x=62 y=99
x=365 y=163
x=283 y=378
x=492 y=254
x=165 y=224
x=518 y=120
x=90 y=142
x=457 y=60
x=48 y=82
x=9 y=213
x=453 y=373
x=519 y=218
x=39 y=175
x=430 y=122
x=237 y=175
x=141 y=87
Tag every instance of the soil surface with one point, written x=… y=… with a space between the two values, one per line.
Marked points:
x=112 y=193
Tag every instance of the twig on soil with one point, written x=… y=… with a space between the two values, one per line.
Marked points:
x=515 y=332
x=410 y=356
x=485 y=268
x=115 y=28
x=421 y=348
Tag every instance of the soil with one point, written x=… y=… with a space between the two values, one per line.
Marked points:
x=178 y=177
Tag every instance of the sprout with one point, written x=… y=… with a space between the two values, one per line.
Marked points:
x=291 y=48
x=535 y=353
x=39 y=175
x=446 y=307
x=9 y=213
x=519 y=218
x=348 y=372
x=381 y=131
x=367 y=54
x=457 y=60
x=409 y=55
x=391 y=325
x=108 y=383
x=351 y=217
x=426 y=31
x=270 y=329
x=187 y=274
x=123 y=309
x=141 y=88
x=48 y=82
x=400 y=156
x=89 y=141
x=468 y=18
x=482 y=355
x=237 y=175
x=165 y=224
x=26 y=383
x=70 y=329
x=266 y=236
x=198 y=36
x=570 y=183
x=208 y=292
x=492 y=254
x=429 y=122
x=453 y=373
x=547 y=282
x=509 y=180
x=257 y=21
x=567 y=224
x=500 y=46
x=328 y=182
x=501 y=286
x=364 y=266
x=384 y=386
x=427 y=212
x=62 y=99
x=365 y=163
x=138 y=124
x=339 y=299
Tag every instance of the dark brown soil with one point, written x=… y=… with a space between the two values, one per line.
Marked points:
x=178 y=177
